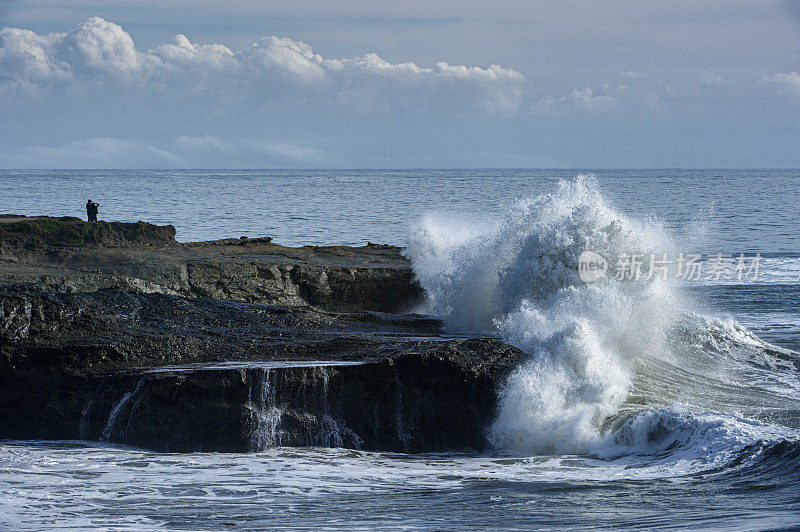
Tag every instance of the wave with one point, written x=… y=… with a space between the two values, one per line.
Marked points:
x=771 y=271
x=616 y=366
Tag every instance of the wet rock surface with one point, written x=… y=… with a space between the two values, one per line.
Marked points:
x=235 y=346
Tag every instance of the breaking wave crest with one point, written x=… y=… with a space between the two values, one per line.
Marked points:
x=616 y=367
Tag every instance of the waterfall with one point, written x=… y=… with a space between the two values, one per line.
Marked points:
x=83 y=425
x=265 y=413
x=114 y=415
x=292 y=406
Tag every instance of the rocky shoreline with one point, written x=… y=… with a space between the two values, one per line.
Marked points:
x=117 y=332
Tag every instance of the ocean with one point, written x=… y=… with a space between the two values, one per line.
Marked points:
x=651 y=398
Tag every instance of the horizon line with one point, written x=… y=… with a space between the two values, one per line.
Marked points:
x=416 y=168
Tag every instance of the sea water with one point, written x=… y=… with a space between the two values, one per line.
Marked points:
x=645 y=401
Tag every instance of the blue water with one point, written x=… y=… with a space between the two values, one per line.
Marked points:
x=738 y=210
x=708 y=437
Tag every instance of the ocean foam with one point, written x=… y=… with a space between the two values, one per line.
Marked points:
x=599 y=351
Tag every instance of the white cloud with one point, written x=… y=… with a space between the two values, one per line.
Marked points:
x=26 y=59
x=92 y=153
x=101 y=52
x=182 y=152
x=256 y=150
x=630 y=92
x=291 y=152
x=204 y=143
x=100 y=47
x=787 y=83
x=585 y=100
x=634 y=74
x=711 y=79
x=351 y=104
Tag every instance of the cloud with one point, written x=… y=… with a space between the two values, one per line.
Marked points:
x=97 y=53
x=256 y=152
x=292 y=152
x=92 y=153
x=26 y=60
x=634 y=74
x=711 y=79
x=585 y=100
x=98 y=47
x=206 y=142
x=181 y=152
x=787 y=83
x=92 y=96
x=628 y=93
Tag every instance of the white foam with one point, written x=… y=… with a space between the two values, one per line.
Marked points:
x=250 y=364
x=598 y=350
x=77 y=486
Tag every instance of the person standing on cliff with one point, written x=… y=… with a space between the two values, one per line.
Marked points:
x=91 y=210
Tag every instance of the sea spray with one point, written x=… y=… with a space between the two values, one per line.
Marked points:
x=605 y=356
x=477 y=273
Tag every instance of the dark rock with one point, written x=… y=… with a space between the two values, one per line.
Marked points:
x=434 y=401
x=144 y=258
x=116 y=332
x=31 y=234
x=67 y=371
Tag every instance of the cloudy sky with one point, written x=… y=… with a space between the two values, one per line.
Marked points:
x=179 y=83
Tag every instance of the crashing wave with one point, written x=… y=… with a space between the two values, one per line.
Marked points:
x=607 y=358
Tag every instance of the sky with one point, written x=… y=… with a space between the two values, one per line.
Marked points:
x=414 y=84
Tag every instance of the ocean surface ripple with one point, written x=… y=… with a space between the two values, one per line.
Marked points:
x=643 y=403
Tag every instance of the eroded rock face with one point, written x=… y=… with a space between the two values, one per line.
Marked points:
x=405 y=403
x=68 y=255
x=117 y=332
x=71 y=365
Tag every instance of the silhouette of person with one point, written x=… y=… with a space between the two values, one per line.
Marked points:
x=91 y=210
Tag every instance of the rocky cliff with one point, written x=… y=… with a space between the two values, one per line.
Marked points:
x=68 y=255
x=234 y=345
